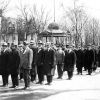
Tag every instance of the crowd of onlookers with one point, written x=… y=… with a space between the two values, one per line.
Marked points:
x=28 y=60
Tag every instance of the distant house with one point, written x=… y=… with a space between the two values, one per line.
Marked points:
x=8 y=30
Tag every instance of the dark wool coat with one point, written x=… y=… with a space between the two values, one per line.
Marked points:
x=49 y=62
x=14 y=61
x=69 y=60
x=98 y=57
x=39 y=60
x=89 y=58
x=39 y=57
x=34 y=70
x=4 y=69
x=80 y=58
x=84 y=56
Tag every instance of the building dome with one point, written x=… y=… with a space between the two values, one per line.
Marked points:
x=53 y=26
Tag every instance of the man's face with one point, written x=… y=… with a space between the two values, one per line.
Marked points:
x=4 y=47
x=24 y=46
x=59 y=48
x=32 y=45
x=20 y=48
x=12 y=47
x=39 y=45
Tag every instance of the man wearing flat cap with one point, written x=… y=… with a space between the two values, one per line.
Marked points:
x=26 y=63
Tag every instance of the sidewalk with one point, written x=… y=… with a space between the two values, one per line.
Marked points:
x=81 y=87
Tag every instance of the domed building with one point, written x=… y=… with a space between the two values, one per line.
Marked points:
x=54 y=34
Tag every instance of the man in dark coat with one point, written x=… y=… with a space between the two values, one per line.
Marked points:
x=69 y=61
x=49 y=63
x=84 y=60
x=98 y=56
x=89 y=59
x=34 y=69
x=20 y=50
x=13 y=64
x=39 y=63
x=4 y=70
x=79 y=61
x=95 y=58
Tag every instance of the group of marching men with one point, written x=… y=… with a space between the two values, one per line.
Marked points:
x=28 y=60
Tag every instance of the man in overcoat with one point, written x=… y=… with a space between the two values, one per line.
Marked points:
x=79 y=60
x=13 y=64
x=26 y=62
x=39 y=63
x=98 y=56
x=69 y=61
x=60 y=61
x=20 y=50
x=49 y=63
x=89 y=59
x=34 y=69
x=4 y=70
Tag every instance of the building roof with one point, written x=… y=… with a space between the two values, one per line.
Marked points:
x=54 y=33
x=53 y=25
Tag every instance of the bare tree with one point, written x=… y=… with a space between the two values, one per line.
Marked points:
x=34 y=20
x=78 y=19
x=92 y=30
x=40 y=19
x=4 y=5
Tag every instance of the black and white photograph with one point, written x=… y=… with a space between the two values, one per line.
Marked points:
x=49 y=49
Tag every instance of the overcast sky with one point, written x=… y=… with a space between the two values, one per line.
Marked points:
x=91 y=6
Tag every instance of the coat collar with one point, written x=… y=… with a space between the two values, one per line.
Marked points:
x=27 y=48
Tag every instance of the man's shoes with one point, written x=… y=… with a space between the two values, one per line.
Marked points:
x=26 y=88
x=4 y=85
x=39 y=83
x=88 y=74
x=48 y=83
x=59 y=77
x=16 y=87
x=12 y=87
x=68 y=78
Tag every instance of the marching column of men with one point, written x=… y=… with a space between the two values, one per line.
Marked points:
x=27 y=61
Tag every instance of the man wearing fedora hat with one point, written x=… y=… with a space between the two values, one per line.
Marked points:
x=60 y=61
x=80 y=59
x=69 y=61
x=49 y=63
x=20 y=50
x=89 y=59
x=34 y=69
x=39 y=63
x=14 y=61
x=26 y=64
x=4 y=70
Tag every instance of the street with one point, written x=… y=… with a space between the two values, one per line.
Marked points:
x=81 y=87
